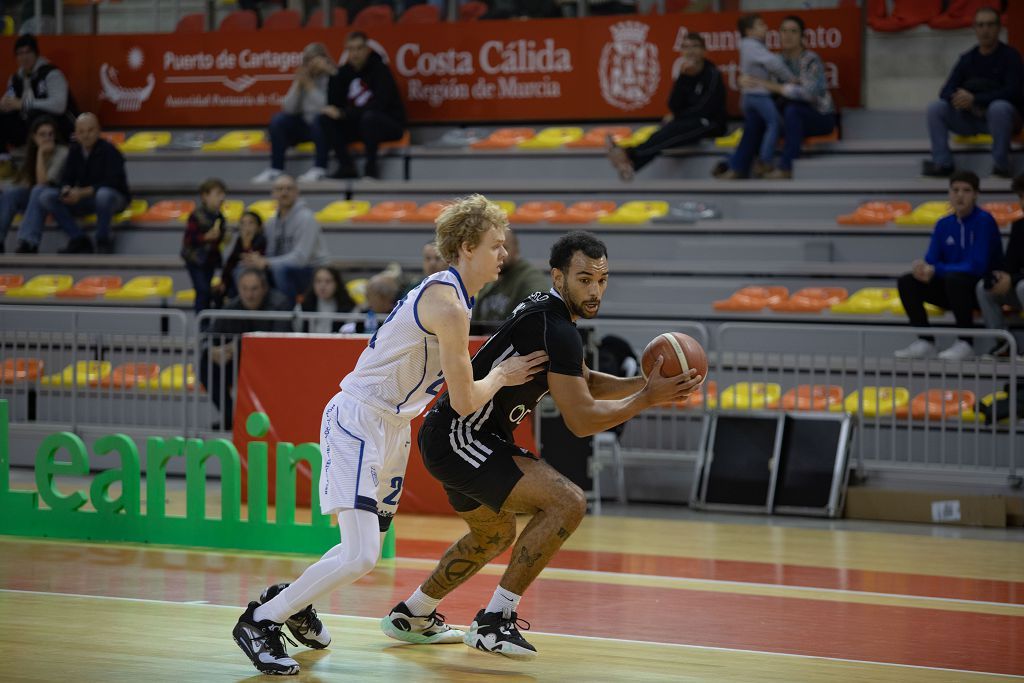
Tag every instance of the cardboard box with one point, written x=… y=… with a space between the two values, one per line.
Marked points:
x=926 y=507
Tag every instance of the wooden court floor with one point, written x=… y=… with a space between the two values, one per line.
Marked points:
x=627 y=599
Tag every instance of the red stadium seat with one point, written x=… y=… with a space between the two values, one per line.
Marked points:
x=420 y=14
x=875 y=213
x=339 y=18
x=752 y=299
x=596 y=138
x=373 y=17
x=21 y=370
x=810 y=300
x=130 y=375
x=939 y=404
x=472 y=10
x=813 y=397
x=167 y=210
x=385 y=212
x=239 y=21
x=1004 y=212
x=427 y=213
x=8 y=280
x=191 y=23
x=504 y=138
x=536 y=212
x=283 y=20
x=91 y=287
x=584 y=212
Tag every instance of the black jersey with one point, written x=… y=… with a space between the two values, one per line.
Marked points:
x=541 y=322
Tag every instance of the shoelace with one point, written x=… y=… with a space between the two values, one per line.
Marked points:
x=310 y=622
x=512 y=621
x=437 y=619
x=272 y=639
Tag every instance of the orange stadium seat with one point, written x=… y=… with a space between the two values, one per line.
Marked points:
x=752 y=299
x=129 y=375
x=339 y=18
x=114 y=137
x=9 y=280
x=420 y=14
x=1004 y=212
x=813 y=397
x=91 y=287
x=385 y=212
x=536 y=212
x=504 y=138
x=810 y=300
x=596 y=138
x=16 y=370
x=239 y=21
x=939 y=404
x=427 y=213
x=191 y=23
x=875 y=213
x=373 y=17
x=584 y=212
x=167 y=210
x=472 y=10
x=283 y=20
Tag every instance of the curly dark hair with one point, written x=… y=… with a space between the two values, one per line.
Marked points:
x=571 y=242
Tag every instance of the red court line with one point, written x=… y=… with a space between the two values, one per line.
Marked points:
x=958 y=588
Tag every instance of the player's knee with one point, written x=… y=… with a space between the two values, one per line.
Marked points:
x=574 y=506
x=364 y=562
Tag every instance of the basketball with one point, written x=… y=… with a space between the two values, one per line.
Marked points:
x=681 y=352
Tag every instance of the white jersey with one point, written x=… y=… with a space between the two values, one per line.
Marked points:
x=399 y=371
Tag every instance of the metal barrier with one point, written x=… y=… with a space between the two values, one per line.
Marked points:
x=65 y=366
x=921 y=415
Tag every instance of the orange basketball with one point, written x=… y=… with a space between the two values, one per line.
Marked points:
x=681 y=352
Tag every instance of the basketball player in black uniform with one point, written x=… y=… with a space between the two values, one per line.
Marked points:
x=489 y=479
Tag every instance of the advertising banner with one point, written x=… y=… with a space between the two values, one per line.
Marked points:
x=592 y=69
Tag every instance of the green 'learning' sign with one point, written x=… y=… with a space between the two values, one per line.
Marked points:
x=122 y=518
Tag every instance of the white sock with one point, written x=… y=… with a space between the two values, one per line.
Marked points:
x=503 y=599
x=340 y=566
x=420 y=604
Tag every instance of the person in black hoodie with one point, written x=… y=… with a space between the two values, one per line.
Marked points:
x=696 y=110
x=1006 y=285
x=363 y=101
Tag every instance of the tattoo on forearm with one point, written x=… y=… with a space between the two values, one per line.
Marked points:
x=562 y=533
x=526 y=558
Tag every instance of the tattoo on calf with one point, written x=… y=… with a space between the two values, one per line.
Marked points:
x=526 y=558
x=495 y=540
x=562 y=533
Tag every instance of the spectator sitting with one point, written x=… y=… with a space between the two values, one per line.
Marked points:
x=982 y=95
x=200 y=246
x=93 y=182
x=517 y=280
x=808 y=108
x=364 y=103
x=302 y=116
x=381 y=297
x=696 y=110
x=218 y=362
x=327 y=295
x=44 y=162
x=1006 y=286
x=433 y=262
x=964 y=246
x=250 y=240
x=295 y=243
x=37 y=88
x=761 y=119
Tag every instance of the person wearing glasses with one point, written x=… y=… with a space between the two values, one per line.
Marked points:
x=982 y=95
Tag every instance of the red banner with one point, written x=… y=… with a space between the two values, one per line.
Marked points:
x=598 y=68
x=292 y=377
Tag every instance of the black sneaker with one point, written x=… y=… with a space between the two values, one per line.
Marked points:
x=402 y=625
x=1000 y=350
x=305 y=625
x=105 y=246
x=932 y=170
x=263 y=643
x=26 y=248
x=79 y=245
x=497 y=632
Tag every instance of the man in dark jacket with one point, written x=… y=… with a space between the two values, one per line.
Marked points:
x=363 y=101
x=36 y=88
x=964 y=247
x=93 y=181
x=696 y=110
x=518 y=280
x=222 y=355
x=982 y=95
x=1006 y=286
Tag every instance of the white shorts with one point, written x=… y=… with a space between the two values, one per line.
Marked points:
x=364 y=457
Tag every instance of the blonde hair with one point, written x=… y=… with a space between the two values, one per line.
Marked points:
x=464 y=222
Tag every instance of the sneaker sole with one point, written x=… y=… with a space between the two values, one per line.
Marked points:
x=507 y=649
x=263 y=669
x=446 y=638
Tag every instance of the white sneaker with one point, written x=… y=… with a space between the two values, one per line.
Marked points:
x=313 y=175
x=961 y=350
x=919 y=349
x=268 y=176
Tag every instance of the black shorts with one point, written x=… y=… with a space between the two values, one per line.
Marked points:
x=475 y=469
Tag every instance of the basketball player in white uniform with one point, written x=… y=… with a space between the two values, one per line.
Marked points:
x=364 y=435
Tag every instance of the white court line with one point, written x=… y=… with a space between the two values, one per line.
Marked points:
x=554 y=572
x=711 y=648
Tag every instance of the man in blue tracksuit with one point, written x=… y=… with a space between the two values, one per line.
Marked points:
x=964 y=247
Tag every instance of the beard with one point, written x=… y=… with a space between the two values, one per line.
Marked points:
x=577 y=307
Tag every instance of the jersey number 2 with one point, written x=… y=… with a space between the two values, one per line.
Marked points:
x=392 y=498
